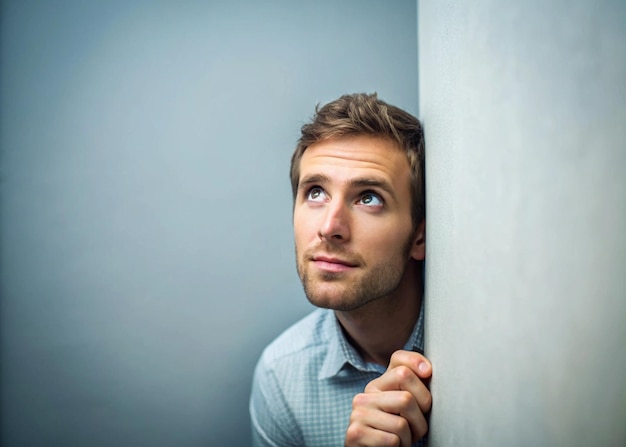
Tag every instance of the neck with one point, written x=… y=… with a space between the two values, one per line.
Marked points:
x=383 y=326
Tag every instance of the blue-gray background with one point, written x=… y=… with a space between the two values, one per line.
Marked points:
x=146 y=238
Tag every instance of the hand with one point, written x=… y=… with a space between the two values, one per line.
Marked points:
x=390 y=412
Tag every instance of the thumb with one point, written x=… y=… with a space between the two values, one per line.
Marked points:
x=415 y=361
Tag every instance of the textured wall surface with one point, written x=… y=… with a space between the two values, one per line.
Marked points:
x=524 y=108
x=146 y=240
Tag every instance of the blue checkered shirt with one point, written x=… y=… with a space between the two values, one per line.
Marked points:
x=305 y=381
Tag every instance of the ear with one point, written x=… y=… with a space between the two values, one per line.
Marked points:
x=418 y=247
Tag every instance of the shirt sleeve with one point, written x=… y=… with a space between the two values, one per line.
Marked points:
x=273 y=423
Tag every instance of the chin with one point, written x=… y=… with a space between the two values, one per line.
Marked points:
x=326 y=299
x=334 y=294
x=334 y=301
x=324 y=302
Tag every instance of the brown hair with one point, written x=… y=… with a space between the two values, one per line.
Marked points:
x=365 y=114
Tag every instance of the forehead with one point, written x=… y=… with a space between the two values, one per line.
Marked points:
x=360 y=155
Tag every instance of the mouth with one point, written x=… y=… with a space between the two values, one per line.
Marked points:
x=331 y=264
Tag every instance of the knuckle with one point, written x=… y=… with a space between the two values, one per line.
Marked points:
x=359 y=400
x=397 y=357
x=371 y=387
x=427 y=401
x=354 y=432
x=422 y=430
x=401 y=425
x=403 y=373
x=391 y=440
x=406 y=400
x=357 y=415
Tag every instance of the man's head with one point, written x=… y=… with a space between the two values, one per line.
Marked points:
x=363 y=114
x=357 y=175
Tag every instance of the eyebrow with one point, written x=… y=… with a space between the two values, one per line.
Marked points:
x=353 y=183
x=314 y=178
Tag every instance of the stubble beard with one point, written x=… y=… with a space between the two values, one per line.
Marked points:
x=380 y=281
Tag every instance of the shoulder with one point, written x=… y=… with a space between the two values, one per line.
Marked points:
x=306 y=336
x=281 y=379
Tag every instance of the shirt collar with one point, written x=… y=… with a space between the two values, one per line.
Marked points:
x=341 y=353
x=416 y=340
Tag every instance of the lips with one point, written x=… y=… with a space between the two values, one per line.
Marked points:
x=331 y=260
x=331 y=264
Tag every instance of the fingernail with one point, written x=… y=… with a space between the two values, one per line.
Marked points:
x=423 y=367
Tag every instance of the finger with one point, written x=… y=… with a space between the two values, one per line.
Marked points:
x=383 y=412
x=401 y=378
x=413 y=360
x=363 y=435
x=392 y=403
x=404 y=404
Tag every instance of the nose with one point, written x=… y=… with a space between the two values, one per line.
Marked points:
x=335 y=226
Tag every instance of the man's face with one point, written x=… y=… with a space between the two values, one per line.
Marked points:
x=352 y=221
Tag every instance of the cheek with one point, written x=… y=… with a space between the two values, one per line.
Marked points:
x=388 y=240
x=303 y=229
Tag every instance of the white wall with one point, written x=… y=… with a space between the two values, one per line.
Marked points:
x=524 y=109
x=146 y=240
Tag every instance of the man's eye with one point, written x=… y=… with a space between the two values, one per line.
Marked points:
x=371 y=199
x=316 y=194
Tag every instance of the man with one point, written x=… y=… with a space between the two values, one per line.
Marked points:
x=351 y=373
